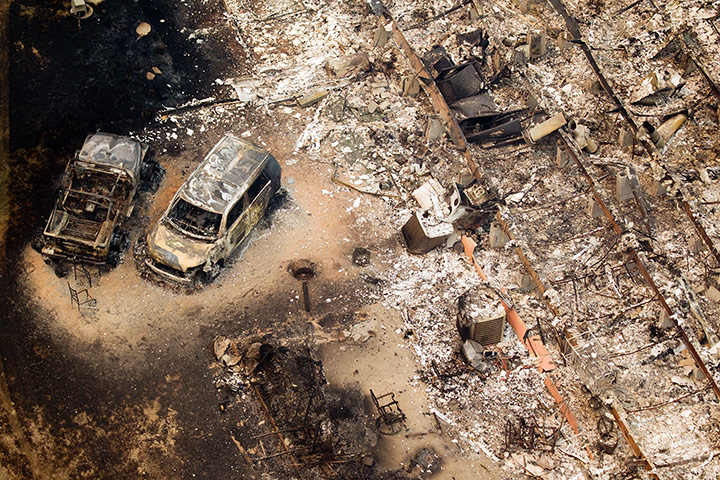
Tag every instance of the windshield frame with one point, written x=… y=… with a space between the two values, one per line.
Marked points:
x=182 y=226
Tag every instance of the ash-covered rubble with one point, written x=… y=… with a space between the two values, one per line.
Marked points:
x=288 y=421
x=353 y=93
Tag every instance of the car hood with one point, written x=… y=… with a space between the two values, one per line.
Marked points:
x=172 y=248
x=113 y=152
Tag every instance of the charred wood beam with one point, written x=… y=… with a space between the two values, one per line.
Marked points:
x=619 y=419
x=640 y=265
x=429 y=86
x=572 y=27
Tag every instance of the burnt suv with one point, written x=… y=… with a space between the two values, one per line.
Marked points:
x=213 y=212
x=95 y=195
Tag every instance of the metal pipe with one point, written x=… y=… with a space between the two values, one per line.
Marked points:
x=306 y=295
x=547 y=127
x=655 y=136
x=670 y=126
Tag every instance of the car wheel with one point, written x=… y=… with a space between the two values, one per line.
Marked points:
x=147 y=171
x=150 y=175
x=62 y=269
x=38 y=242
x=200 y=279
x=203 y=277
x=113 y=258
x=119 y=241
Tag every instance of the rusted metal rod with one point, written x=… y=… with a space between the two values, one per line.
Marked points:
x=633 y=444
x=577 y=37
x=570 y=279
x=439 y=16
x=700 y=230
x=616 y=315
x=277 y=431
x=576 y=237
x=658 y=405
x=644 y=347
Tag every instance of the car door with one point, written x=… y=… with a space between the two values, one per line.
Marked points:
x=236 y=225
x=258 y=196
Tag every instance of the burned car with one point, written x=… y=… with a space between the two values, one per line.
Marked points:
x=213 y=212
x=95 y=195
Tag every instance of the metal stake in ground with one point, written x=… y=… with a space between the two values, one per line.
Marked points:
x=306 y=295
x=303 y=270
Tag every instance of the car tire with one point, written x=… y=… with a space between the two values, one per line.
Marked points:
x=114 y=257
x=37 y=243
x=147 y=171
x=119 y=241
x=61 y=268
x=203 y=277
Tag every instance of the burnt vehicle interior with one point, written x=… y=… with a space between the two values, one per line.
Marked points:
x=258 y=186
x=84 y=182
x=86 y=195
x=194 y=220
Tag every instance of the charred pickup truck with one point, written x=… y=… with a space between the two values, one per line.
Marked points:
x=95 y=195
x=213 y=212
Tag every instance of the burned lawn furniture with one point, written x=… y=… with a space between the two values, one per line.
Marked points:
x=531 y=435
x=81 y=298
x=96 y=194
x=213 y=212
x=391 y=417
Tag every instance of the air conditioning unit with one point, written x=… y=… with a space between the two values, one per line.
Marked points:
x=481 y=316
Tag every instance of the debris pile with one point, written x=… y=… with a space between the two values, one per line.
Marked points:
x=302 y=429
